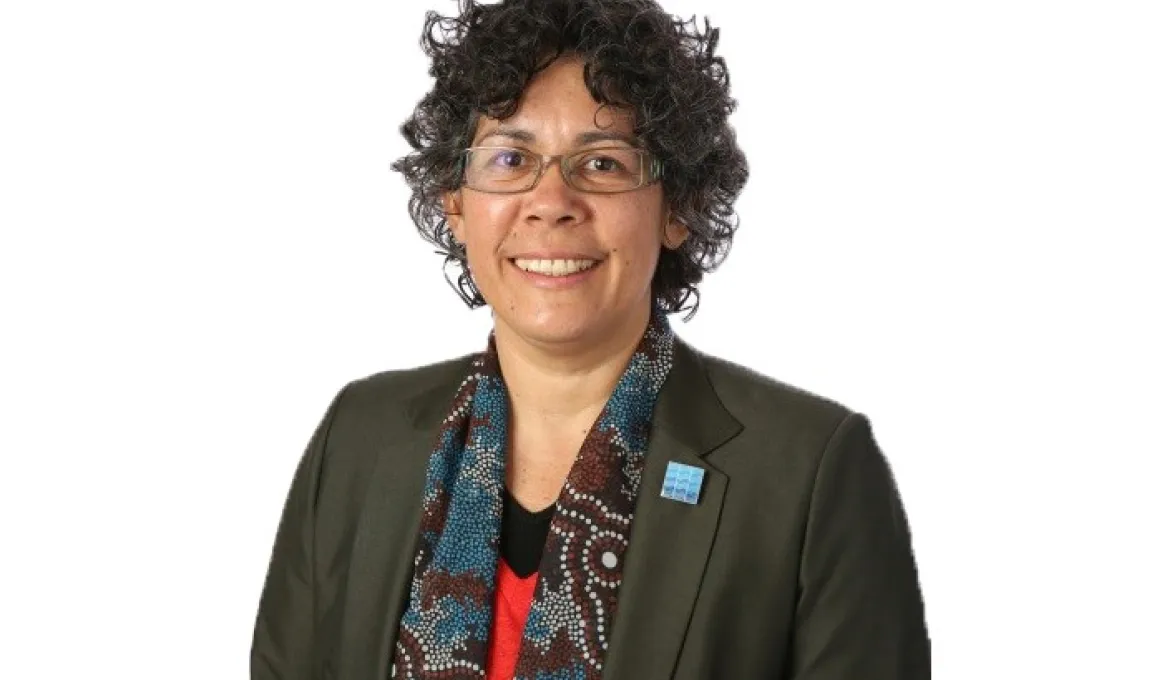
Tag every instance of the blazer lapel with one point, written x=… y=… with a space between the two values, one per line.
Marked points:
x=385 y=543
x=670 y=541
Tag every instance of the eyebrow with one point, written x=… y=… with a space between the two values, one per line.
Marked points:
x=588 y=137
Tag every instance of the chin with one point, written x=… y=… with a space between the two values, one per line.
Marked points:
x=562 y=325
x=552 y=328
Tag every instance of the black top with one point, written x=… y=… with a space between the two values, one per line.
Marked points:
x=523 y=534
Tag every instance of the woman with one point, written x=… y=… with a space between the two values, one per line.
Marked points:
x=589 y=496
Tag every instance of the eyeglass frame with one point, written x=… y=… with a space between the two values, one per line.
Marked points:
x=651 y=172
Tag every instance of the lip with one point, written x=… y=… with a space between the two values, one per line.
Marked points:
x=547 y=282
x=555 y=255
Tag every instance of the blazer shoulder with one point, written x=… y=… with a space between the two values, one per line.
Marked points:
x=399 y=391
x=785 y=435
x=762 y=402
x=373 y=413
x=388 y=405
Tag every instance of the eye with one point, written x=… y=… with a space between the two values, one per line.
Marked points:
x=507 y=158
x=598 y=164
x=603 y=164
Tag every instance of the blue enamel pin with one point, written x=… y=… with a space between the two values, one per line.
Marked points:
x=682 y=483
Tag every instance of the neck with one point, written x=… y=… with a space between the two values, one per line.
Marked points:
x=554 y=387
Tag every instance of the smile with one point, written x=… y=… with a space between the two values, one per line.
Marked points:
x=554 y=267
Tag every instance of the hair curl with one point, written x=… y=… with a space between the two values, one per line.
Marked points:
x=635 y=55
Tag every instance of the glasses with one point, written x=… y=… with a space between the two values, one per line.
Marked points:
x=605 y=170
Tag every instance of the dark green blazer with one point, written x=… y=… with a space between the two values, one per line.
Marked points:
x=795 y=564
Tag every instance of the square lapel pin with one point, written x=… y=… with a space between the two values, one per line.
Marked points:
x=682 y=483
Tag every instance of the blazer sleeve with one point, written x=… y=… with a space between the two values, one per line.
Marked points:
x=860 y=614
x=283 y=640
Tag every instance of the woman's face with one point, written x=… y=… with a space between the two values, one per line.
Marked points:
x=507 y=234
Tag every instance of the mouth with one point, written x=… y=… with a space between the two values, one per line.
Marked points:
x=555 y=274
x=554 y=268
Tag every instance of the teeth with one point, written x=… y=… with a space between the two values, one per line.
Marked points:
x=555 y=267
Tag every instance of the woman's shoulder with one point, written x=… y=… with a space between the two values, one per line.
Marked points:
x=397 y=406
x=784 y=431
x=763 y=402
x=408 y=388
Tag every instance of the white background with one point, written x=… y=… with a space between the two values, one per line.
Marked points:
x=951 y=225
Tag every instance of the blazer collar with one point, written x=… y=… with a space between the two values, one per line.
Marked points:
x=687 y=408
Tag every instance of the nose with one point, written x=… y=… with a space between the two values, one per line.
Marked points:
x=552 y=201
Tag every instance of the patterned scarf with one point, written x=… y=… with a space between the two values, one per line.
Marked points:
x=444 y=632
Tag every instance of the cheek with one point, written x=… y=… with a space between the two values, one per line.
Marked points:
x=485 y=224
x=638 y=240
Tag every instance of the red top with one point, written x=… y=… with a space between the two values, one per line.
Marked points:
x=514 y=597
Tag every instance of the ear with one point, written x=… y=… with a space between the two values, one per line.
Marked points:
x=674 y=233
x=452 y=211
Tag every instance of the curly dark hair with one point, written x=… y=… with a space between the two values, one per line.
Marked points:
x=636 y=55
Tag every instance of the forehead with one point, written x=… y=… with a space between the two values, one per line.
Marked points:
x=556 y=107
